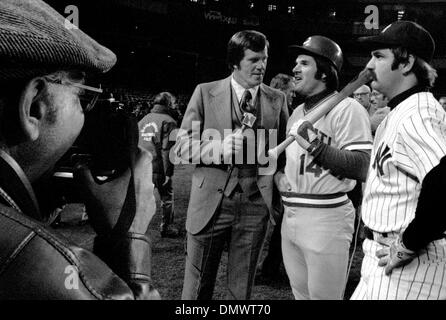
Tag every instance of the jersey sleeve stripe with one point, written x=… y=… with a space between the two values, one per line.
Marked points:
x=358 y=145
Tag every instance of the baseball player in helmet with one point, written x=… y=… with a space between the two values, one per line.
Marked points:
x=318 y=221
x=404 y=249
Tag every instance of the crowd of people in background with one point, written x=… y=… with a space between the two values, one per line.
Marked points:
x=140 y=102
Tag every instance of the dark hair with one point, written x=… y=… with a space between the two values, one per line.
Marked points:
x=325 y=67
x=242 y=40
x=280 y=81
x=424 y=72
x=165 y=99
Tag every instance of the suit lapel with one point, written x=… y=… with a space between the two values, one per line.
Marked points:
x=221 y=103
x=269 y=108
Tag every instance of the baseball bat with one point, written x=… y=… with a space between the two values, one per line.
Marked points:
x=325 y=106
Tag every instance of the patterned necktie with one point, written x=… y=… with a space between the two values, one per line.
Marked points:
x=245 y=103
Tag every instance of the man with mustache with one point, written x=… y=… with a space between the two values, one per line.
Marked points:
x=321 y=167
x=230 y=210
x=404 y=249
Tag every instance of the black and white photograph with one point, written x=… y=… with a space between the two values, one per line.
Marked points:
x=222 y=155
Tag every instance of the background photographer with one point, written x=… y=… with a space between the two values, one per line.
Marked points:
x=42 y=69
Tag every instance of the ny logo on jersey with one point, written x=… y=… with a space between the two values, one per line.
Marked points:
x=382 y=155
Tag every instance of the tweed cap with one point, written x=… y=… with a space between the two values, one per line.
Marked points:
x=34 y=41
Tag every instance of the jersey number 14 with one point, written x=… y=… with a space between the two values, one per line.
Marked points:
x=312 y=167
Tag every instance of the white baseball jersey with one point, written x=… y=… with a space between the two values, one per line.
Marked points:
x=408 y=144
x=346 y=126
x=318 y=220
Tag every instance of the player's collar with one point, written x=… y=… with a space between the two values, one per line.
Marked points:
x=311 y=101
x=404 y=95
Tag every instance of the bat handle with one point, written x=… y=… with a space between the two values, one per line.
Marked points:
x=240 y=130
x=274 y=152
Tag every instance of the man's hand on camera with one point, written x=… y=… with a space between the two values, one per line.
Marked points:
x=232 y=145
x=105 y=202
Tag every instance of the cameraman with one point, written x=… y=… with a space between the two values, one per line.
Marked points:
x=42 y=67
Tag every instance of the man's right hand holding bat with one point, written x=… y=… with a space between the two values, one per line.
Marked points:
x=305 y=135
x=342 y=163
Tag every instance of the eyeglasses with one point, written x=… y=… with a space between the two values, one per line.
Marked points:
x=88 y=95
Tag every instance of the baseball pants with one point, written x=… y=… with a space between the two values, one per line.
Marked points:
x=315 y=247
x=424 y=278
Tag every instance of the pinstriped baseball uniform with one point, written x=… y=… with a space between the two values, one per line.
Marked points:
x=318 y=220
x=408 y=144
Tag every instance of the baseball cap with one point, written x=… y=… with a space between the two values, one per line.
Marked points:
x=407 y=34
x=34 y=41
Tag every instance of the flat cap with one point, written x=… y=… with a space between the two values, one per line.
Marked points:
x=35 y=41
x=407 y=34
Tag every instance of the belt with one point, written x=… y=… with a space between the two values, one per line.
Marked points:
x=373 y=235
x=293 y=199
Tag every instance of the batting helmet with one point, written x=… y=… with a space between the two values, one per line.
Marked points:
x=322 y=47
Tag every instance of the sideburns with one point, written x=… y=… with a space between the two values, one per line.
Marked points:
x=400 y=56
